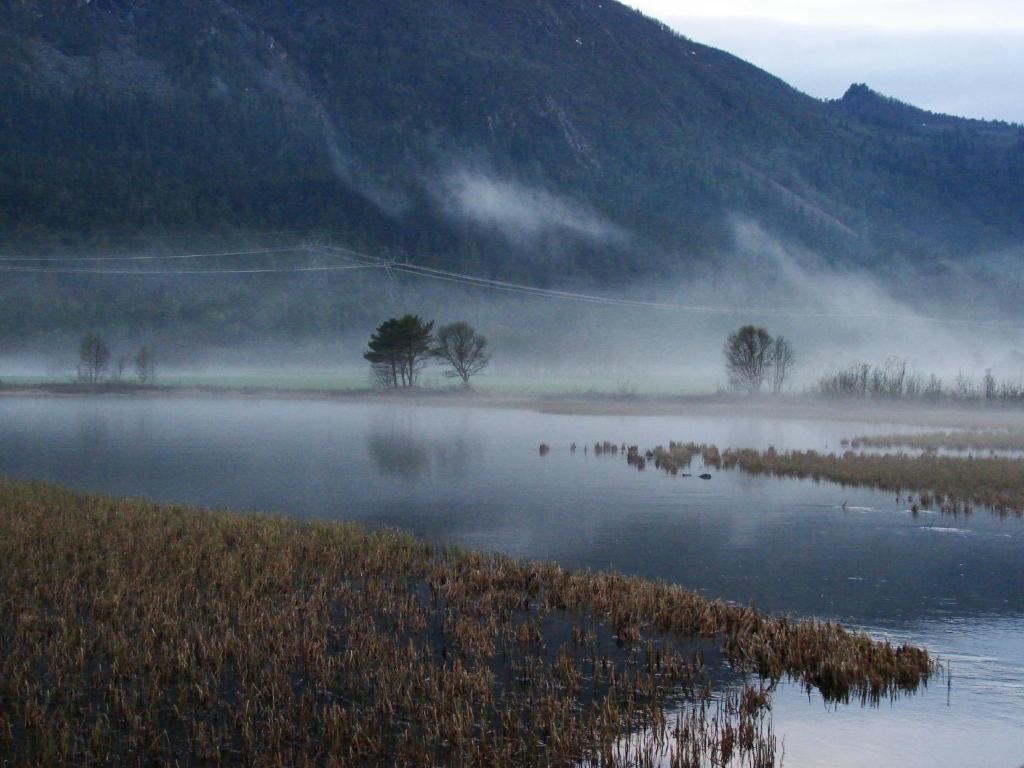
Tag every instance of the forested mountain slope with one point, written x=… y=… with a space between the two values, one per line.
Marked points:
x=538 y=139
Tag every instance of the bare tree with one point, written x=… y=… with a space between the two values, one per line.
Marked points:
x=145 y=366
x=964 y=387
x=122 y=366
x=989 y=385
x=888 y=379
x=781 y=359
x=465 y=350
x=93 y=357
x=747 y=354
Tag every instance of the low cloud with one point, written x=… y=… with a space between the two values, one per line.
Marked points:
x=519 y=211
x=843 y=315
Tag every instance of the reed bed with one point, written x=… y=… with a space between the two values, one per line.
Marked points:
x=134 y=633
x=953 y=484
x=959 y=440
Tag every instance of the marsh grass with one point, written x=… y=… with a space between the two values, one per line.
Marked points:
x=133 y=633
x=954 y=484
x=959 y=440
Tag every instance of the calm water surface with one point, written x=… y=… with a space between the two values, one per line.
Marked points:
x=474 y=476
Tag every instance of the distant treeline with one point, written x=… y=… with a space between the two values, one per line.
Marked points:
x=892 y=379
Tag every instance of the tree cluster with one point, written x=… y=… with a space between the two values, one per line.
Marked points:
x=754 y=358
x=94 y=363
x=401 y=347
x=893 y=380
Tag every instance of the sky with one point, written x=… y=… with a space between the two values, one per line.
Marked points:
x=962 y=58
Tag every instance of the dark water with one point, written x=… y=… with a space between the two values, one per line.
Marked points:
x=474 y=476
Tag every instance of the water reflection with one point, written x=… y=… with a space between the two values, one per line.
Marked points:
x=92 y=433
x=398 y=457
x=398 y=452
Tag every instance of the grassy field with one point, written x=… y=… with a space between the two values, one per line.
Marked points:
x=271 y=381
x=556 y=396
x=359 y=380
x=139 y=634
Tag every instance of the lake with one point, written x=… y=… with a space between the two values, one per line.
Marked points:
x=474 y=476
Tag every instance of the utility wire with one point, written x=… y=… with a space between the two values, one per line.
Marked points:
x=781 y=312
x=263 y=233
x=359 y=260
x=254 y=252
x=252 y=271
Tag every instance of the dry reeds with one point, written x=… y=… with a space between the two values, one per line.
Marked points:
x=961 y=440
x=954 y=483
x=133 y=633
x=673 y=459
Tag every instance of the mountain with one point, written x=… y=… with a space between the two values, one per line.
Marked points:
x=537 y=139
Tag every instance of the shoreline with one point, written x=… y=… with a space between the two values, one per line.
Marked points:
x=909 y=413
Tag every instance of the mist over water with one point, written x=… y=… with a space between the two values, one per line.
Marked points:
x=954 y=320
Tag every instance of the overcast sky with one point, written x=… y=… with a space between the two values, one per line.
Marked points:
x=964 y=58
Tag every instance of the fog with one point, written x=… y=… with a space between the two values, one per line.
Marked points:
x=520 y=212
x=954 y=319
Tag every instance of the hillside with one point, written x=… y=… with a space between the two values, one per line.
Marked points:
x=540 y=139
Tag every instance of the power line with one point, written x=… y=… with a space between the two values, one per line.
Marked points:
x=262 y=233
x=213 y=271
x=253 y=271
x=253 y=252
x=365 y=261
x=779 y=312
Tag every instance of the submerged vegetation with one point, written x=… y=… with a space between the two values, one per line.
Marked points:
x=143 y=634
